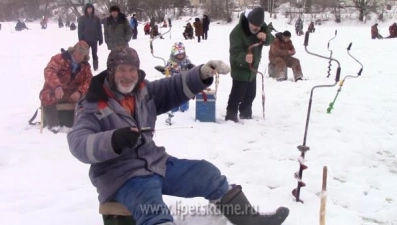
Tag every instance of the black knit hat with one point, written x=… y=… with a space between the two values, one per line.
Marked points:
x=257 y=16
x=287 y=33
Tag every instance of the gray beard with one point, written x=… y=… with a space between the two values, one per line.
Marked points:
x=252 y=32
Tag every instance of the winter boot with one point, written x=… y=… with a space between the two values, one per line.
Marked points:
x=245 y=117
x=95 y=65
x=51 y=118
x=231 y=117
x=238 y=210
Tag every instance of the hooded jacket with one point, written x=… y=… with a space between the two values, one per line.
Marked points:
x=240 y=39
x=89 y=26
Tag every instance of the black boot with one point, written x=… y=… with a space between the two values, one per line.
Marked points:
x=95 y=65
x=231 y=117
x=238 y=210
x=51 y=118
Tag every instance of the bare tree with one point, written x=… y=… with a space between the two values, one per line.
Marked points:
x=364 y=7
x=220 y=9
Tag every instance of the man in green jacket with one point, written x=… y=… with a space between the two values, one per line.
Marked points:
x=118 y=31
x=250 y=30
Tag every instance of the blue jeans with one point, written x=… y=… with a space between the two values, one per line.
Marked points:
x=184 y=178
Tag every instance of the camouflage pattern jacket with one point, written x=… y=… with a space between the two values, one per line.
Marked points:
x=58 y=73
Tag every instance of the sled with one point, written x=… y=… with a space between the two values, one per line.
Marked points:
x=114 y=213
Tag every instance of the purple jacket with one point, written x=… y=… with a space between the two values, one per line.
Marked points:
x=90 y=140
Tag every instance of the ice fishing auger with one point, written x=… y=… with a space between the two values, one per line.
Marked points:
x=166 y=72
x=303 y=148
x=330 y=54
x=151 y=46
x=331 y=104
x=263 y=77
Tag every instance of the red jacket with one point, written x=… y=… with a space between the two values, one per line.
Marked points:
x=58 y=73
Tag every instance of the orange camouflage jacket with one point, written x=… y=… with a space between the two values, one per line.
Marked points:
x=58 y=73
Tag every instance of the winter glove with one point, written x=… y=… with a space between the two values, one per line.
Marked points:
x=100 y=42
x=190 y=66
x=124 y=138
x=161 y=69
x=213 y=66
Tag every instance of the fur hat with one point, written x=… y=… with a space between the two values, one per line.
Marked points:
x=81 y=47
x=257 y=16
x=114 y=8
x=122 y=55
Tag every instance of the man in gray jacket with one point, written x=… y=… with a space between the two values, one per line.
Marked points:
x=113 y=132
x=90 y=31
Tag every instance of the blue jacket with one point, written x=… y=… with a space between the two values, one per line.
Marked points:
x=98 y=116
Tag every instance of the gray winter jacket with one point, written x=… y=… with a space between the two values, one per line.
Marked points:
x=89 y=26
x=98 y=116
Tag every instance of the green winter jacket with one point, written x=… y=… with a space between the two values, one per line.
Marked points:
x=117 y=32
x=240 y=39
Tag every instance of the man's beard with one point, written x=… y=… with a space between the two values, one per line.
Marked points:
x=125 y=90
x=254 y=31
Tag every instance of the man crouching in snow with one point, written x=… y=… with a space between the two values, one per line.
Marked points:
x=113 y=132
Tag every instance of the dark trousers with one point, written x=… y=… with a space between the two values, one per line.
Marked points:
x=205 y=35
x=94 y=49
x=241 y=97
x=135 y=33
x=54 y=118
x=198 y=38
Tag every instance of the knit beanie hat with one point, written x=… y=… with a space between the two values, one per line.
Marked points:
x=177 y=48
x=257 y=16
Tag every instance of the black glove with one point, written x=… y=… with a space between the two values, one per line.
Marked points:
x=161 y=69
x=190 y=66
x=124 y=138
x=100 y=42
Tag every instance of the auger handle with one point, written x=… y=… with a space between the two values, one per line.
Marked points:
x=348 y=47
x=337 y=77
x=306 y=43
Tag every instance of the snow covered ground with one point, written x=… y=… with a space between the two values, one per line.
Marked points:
x=41 y=182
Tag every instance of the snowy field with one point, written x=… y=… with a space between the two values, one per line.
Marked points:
x=42 y=183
